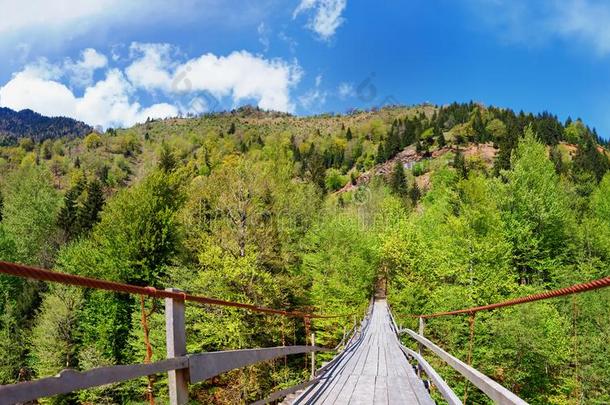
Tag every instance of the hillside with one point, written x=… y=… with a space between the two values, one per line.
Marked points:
x=27 y=123
x=453 y=206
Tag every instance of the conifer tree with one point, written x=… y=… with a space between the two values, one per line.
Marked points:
x=414 y=193
x=89 y=213
x=167 y=160
x=459 y=163
x=398 y=180
x=67 y=219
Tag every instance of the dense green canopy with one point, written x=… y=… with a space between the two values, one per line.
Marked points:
x=313 y=214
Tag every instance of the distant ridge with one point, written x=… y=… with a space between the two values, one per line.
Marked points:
x=30 y=124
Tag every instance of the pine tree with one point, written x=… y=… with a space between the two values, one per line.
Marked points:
x=88 y=213
x=167 y=161
x=589 y=159
x=348 y=134
x=398 y=180
x=315 y=168
x=67 y=219
x=556 y=158
x=414 y=193
x=440 y=136
x=479 y=127
x=459 y=163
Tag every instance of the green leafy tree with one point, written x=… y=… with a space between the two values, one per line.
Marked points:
x=537 y=215
x=30 y=210
x=334 y=179
x=55 y=333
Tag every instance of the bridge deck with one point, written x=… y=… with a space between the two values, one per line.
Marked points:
x=372 y=370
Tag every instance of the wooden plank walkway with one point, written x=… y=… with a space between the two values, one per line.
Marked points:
x=371 y=370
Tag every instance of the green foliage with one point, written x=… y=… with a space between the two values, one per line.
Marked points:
x=496 y=128
x=459 y=163
x=30 y=210
x=238 y=206
x=140 y=227
x=54 y=336
x=341 y=262
x=536 y=212
x=167 y=160
x=421 y=168
x=334 y=179
x=398 y=179
x=92 y=141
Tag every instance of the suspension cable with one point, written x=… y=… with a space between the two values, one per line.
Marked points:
x=35 y=273
x=574 y=289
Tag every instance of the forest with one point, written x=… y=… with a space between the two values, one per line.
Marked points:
x=309 y=213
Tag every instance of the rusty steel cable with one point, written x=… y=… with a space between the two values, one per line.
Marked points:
x=35 y=273
x=150 y=390
x=574 y=289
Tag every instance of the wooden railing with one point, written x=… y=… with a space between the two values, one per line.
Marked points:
x=183 y=369
x=491 y=388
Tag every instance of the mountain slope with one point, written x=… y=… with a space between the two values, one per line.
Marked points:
x=27 y=123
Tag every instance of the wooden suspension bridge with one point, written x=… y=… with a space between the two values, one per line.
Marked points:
x=371 y=366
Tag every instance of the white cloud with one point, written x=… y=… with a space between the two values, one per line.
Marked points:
x=106 y=103
x=81 y=72
x=243 y=76
x=346 y=90
x=113 y=101
x=537 y=22
x=312 y=99
x=239 y=75
x=150 y=69
x=315 y=97
x=327 y=17
x=27 y=89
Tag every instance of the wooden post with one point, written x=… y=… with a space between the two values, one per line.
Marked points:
x=420 y=346
x=313 y=356
x=176 y=346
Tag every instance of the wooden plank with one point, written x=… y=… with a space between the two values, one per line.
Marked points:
x=175 y=337
x=438 y=381
x=374 y=371
x=493 y=390
x=364 y=391
x=281 y=394
x=382 y=368
x=381 y=391
x=72 y=380
x=207 y=365
x=331 y=375
x=397 y=394
x=347 y=391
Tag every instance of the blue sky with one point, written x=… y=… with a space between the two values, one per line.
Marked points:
x=114 y=63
